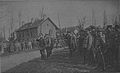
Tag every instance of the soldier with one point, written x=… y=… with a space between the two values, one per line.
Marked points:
x=108 y=46
x=80 y=45
x=48 y=45
x=116 y=43
x=89 y=45
x=68 y=41
x=100 y=59
x=41 y=44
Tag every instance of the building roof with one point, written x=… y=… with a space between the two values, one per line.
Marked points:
x=36 y=23
x=52 y=22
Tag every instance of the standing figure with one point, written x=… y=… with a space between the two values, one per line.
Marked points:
x=51 y=45
x=68 y=40
x=41 y=46
x=48 y=44
x=89 y=47
x=109 y=45
x=116 y=45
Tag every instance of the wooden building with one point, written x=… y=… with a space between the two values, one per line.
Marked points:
x=32 y=30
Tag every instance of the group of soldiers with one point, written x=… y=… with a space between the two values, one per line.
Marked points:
x=99 y=48
x=45 y=44
x=16 y=46
x=112 y=33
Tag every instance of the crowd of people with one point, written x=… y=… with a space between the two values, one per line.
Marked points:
x=99 y=48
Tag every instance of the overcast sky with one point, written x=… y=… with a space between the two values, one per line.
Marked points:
x=69 y=11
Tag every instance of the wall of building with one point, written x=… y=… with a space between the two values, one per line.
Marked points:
x=48 y=27
x=27 y=34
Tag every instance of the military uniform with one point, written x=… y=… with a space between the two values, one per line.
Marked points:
x=68 y=41
x=48 y=45
x=109 y=45
x=41 y=45
x=116 y=43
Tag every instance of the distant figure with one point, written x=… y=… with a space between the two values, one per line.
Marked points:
x=18 y=46
x=41 y=46
x=30 y=45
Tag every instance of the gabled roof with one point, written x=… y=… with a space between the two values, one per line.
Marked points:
x=36 y=23
x=52 y=22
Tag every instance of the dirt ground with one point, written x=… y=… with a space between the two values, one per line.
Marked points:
x=59 y=62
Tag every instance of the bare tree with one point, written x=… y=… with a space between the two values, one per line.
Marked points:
x=93 y=18
x=19 y=17
x=104 y=19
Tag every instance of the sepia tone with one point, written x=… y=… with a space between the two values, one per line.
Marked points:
x=59 y=36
